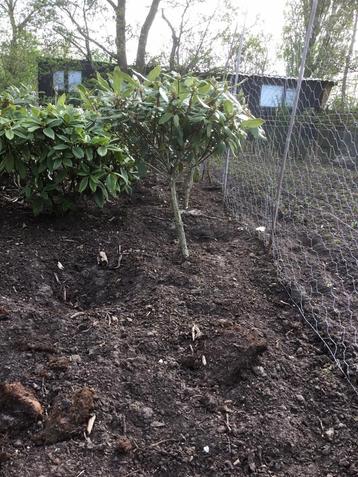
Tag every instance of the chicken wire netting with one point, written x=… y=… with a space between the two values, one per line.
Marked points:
x=315 y=240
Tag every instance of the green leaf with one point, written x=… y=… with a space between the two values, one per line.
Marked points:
x=102 y=83
x=93 y=182
x=78 y=152
x=61 y=100
x=83 y=184
x=204 y=89
x=220 y=148
x=163 y=94
x=67 y=162
x=60 y=147
x=8 y=164
x=102 y=151
x=111 y=183
x=176 y=120
x=89 y=154
x=9 y=133
x=154 y=73
x=228 y=107
x=99 y=198
x=33 y=128
x=49 y=132
x=20 y=134
x=54 y=122
x=252 y=123
x=57 y=163
x=165 y=118
x=117 y=80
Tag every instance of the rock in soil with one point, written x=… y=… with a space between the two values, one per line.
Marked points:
x=124 y=445
x=19 y=407
x=68 y=417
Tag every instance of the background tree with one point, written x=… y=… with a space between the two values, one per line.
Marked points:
x=19 y=47
x=329 y=42
x=214 y=40
x=83 y=18
x=351 y=60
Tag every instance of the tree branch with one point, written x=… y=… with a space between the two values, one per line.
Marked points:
x=143 y=37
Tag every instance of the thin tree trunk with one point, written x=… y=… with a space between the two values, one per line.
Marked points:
x=348 y=60
x=188 y=185
x=143 y=37
x=175 y=43
x=121 y=35
x=178 y=219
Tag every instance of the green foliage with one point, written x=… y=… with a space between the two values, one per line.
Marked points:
x=172 y=123
x=329 y=41
x=18 y=62
x=58 y=152
x=170 y=120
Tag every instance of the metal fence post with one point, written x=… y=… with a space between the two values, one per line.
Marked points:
x=292 y=119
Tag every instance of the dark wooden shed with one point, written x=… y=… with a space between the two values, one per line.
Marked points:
x=56 y=76
x=266 y=95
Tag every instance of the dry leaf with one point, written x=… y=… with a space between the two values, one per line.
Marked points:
x=90 y=424
x=195 y=332
x=102 y=258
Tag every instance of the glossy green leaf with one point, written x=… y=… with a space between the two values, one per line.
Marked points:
x=78 y=152
x=102 y=151
x=49 y=132
x=154 y=73
x=9 y=133
x=252 y=123
x=83 y=184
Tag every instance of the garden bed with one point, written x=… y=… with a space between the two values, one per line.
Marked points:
x=196 y=368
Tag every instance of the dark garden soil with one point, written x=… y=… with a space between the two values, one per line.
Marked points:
x=154 y=367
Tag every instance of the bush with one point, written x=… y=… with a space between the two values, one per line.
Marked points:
x=173 y=122
x=59 y=152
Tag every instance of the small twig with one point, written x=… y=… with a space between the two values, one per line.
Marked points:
x=162 y=442
x=124 y=425
x=229 y=444
x=227 y=422
x=78 y=313
x=120 y=257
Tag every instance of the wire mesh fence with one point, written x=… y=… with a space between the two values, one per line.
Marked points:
x=315 y=241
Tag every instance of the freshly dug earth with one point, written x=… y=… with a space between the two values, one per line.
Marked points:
x=151 y=366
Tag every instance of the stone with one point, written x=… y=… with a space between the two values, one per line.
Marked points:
x=124 y=445
x=259 y=371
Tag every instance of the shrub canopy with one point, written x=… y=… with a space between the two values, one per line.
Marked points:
x=60 y=151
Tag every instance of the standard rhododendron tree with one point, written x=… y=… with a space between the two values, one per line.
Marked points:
x=172 y=124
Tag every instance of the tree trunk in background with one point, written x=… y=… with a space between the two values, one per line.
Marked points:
x=348 y=60
x=143 y=37
x=120 y=12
